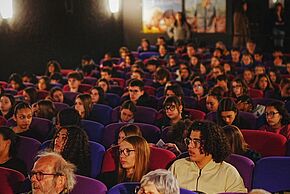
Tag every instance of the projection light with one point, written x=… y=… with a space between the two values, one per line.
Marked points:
x=6 y=10
x=114 y=5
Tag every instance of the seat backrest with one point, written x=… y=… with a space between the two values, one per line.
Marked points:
x=90 y=80
x=102 y=113
x=150 y=90
x=97 y=152
x=26 y=150
x=272 y=174
x=160 y=158
x=114 y=100
x=250 y=117
x=146 y=55
x=88 y=185
x=196 y=114
x=255 y=93
x=40 y=126
x=142 y=115
x=70 y=96
x=10 y=180
x=59 y=106
x=121 y=81
x=124 y=188
x=245 y=166
x=266 y=143
x=190 y=102
x=94 y=130
x=150 y=132
x=42 y=94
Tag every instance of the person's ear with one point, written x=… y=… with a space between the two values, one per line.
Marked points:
x=60 y=183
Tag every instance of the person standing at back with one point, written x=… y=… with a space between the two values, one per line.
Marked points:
x=241 y=26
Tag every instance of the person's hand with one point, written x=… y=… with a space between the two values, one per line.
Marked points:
x=172 y=147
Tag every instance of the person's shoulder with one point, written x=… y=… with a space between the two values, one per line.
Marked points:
x=182 y=162
x=229 y=168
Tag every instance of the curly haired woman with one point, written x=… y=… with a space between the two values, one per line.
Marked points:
x=205 y=169
x=72 y=143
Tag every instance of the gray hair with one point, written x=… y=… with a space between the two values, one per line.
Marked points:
x=163 y=180
x=259 y=191
x=63 y=167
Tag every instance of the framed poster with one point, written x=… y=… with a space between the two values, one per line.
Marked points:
x=158 y=15
x=206 y=16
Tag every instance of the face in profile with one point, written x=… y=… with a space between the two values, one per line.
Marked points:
x=121 y=136
x=127 y=155
x=60 y=140
x=149 y=187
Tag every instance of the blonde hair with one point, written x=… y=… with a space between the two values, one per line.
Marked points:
x=142 y=155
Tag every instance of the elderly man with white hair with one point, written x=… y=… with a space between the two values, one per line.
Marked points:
x=159 y=181
x=51 y=174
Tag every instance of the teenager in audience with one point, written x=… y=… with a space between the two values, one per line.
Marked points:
x=161 y=76
x=238 y=144
x=127 y=112
x=45 y=109
x=29 y=78
x=228 y=114
x=104 y=84
x=30 y=95
x=52 y=67
x=215 y=94
x=56 y=95
x=199 y=90
x=67 y=117
x=134 y=154
x=238 y=88
x=138 y=96
x=246 y=104
x=23 y=118
x=248 y=77
x=71 y=142
x=144 y=46
x=43 y=83
x=83 y=104
x=98 y=95
x=263 y=82
x=205 y=169
x=278 y=119
x=7 y=103
x=8 y=151
x=15 y=82
x=172 y=108
x=74 y=80
x=128 y=130
x=159 y=181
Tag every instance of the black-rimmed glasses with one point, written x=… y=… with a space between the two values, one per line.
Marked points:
x=271 y=114
x=194 y=142
x=125 y=152
x=40 y=175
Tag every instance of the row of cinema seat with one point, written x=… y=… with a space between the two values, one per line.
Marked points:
x=266 y=143
x=270 y=173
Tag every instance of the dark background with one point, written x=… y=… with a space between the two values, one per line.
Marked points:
x=67 y=29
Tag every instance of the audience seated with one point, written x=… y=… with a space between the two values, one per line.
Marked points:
x=61 y=172
x=205 y=169
x=8 y=151
x=72 y=143
x=159 y=181
x=127 y=112
x=44 y=109
x=278 y=119
x=7 y=103
x=238 y=144
x=134 y=153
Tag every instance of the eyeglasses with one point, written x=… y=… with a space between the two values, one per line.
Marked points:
x=140 y=190
x=40 y=175
x=271 y=114
x=193 y=142
x=125 y=152
x=170 y=107
x=237 y=86
x=197 y=86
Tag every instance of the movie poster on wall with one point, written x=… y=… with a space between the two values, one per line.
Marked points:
x=158 y=15
x=206 y=16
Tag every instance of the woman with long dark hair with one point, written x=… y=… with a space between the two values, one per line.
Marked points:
x=180 y=30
